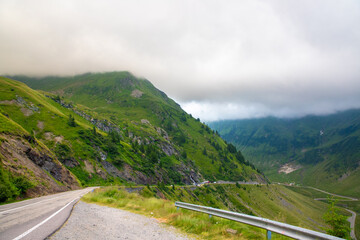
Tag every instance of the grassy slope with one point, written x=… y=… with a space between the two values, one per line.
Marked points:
x=274 y=202
x=13 y=185
x=108 y=96
x=270 y=142
x=53 y=117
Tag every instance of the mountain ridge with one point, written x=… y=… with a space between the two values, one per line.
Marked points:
x=311 y=149
x=114 y=128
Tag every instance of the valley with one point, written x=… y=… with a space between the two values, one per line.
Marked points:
x=318 y=151
x=103 y=129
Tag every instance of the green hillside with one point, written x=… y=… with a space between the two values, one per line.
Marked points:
x=113 y=127
x=322 y=151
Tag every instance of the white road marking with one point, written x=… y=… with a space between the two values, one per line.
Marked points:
x=47 y=219
x=13 y=209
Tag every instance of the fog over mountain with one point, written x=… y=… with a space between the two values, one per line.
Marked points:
x=238 y=59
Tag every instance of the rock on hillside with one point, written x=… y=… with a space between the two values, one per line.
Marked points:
x=25 y=156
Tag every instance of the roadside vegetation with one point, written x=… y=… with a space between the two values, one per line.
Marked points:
x=354 y=206
x=338 y=222
x=269 y=201
x=12 y=186
x=197 y=225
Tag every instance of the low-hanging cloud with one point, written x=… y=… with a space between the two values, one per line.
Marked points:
x=220 y=60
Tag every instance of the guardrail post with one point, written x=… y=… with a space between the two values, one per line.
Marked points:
x=210 y=215
x=177 y=209
x=268 y=234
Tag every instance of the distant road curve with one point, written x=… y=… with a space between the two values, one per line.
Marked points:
x=351 y=219
x=352 y=223
x=333 y=194
x=37 y=218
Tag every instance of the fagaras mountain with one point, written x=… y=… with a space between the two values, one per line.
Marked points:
x=104 y=128
x=319 y=151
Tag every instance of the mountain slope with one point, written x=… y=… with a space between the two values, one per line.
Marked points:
x=28 y=168
x=322 y=151
x=114 y=127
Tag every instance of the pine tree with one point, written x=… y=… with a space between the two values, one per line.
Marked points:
x=71 y=121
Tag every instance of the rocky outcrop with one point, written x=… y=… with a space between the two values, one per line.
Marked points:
x=24 y=156
x=102 y=124
x=128 y=173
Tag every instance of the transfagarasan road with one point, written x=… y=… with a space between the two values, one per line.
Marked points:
x=37 y=218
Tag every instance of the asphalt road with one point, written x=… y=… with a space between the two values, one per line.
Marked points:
x=37 y=218
x=94 y=222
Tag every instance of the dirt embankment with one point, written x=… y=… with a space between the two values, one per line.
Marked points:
x=23 y=155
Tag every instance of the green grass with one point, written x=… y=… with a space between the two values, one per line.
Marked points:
x=309 y=192
x=196 y=224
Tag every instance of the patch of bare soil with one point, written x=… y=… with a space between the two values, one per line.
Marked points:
x=27 y=112
x=58 y=139
x=49 y=136
x=88 y=166
x=289 y=167
x=40 y=125
x=136 y=93
x=21 y=158
x=9 y=102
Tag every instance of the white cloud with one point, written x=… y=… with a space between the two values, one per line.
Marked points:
x=220 y=60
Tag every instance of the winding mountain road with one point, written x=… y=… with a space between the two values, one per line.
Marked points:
x=37 y=218
x=333 y=194
x=352 y=218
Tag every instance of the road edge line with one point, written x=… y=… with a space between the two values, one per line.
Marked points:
x=66 y=220
x=44 y=221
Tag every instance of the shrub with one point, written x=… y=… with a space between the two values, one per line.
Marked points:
x=339 y=225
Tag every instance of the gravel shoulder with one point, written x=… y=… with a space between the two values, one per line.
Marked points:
x=91 y=221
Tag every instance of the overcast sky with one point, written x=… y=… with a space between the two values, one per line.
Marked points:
x=218 y=59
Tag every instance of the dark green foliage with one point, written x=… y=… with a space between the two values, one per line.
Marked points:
x=117 y=161
x=62 y=151
x=339 y=224
x=111 y=148
x=180 y=138
x=152 y=153
x=183 y=154
x=231 y=148
x=71 y=121
x=183 y=117
x=204 y=151
x=12 y=186
x=240 y=157
x=114 y=136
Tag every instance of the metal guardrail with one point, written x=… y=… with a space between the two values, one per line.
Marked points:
x=269 y=225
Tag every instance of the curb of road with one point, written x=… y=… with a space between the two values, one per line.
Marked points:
x=56 y=230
